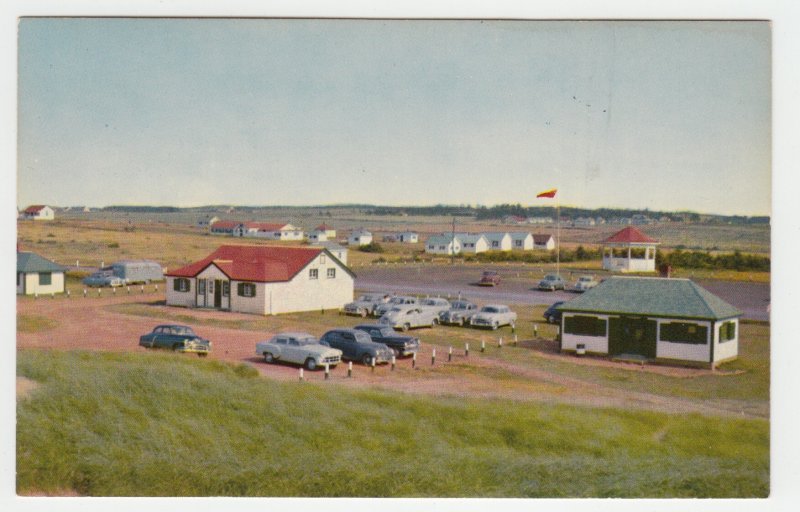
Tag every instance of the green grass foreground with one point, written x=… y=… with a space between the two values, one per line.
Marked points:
x=159 y=424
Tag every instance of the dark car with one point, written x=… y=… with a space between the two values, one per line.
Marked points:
x=489 y=278
x=357 y=346
x=401 y=344
x=179 y=338
x=552 y=314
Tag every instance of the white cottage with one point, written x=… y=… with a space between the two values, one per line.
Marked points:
x=498 y=241
x=443 y=244
x=317 y=236
x=653 y=319
x=225 y=227
x=38 y=212
x=38 y=276
x=337 y=250
x=521 y=241
x=263 y=280
x=268 y=230
x=544 y=242
x=472 y=243
x=329 y=231
x=360 y=237
x=408 y=237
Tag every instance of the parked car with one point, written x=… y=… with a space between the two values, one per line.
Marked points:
x=365 y=304
x=137 y=271
x=100 y=279
x=399 y=300
x=584 y=283
x=407 y=317
x=552 y=282
x=179 y=338
x=298 y=348
x=401 y=344
x=494 y=316
x=489 y=278
x=460 y=313
x=436 y=304
x=553 y=314
x=357 y=346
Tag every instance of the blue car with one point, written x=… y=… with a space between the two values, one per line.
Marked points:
x=553 y=315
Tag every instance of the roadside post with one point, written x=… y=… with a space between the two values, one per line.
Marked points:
x=515 y=340
x=350 y=369
x=466 y=349
x=301 y=375
x=414 y=360
x=450 y=354
x=500 y=342
x=433 y=357
x=393 y=362
x=327 y=371
x=373 y=364
x=84 y=293
x=483 y=345
x=535 y=330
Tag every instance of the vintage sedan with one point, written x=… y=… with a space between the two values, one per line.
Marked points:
x=400 y=300
x=179 y=338
x=357 y=346
x=401 y=344
x=553 y=314
x=100 y=279
x=489 y=278
x=552 y=282
x=298 y=348
x=494 y=316
x=436 y=304
x=407 y=317
x=584 y=283
x=459 y=313
x=365 y=304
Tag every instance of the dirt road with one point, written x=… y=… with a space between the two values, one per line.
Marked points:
x=89 y=324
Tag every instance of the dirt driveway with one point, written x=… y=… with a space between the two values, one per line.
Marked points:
x=89 y=324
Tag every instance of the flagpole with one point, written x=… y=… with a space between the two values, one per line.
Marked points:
x=558 y=236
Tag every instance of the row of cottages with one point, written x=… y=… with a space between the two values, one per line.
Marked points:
x=266 y=230
x=37 y=212
x=263 y=280
x=38 y=276
x=654 y=319
x=470 y=243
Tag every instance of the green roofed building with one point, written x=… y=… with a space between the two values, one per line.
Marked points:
x=651 y=318
x=36 y=275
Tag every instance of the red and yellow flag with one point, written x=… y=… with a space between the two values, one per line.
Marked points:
x=548 y=193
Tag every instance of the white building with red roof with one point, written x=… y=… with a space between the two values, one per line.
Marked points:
x=269 y=230
x=629 y=250
x=330 y=231
x=37 y=212
x=264 y=280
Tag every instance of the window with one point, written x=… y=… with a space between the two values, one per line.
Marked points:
x=518 y=243
x=226 y=288
x=682 y=332
x=45 y=278
x=331 y=273
x=727 y=331
x=584 y=325
x=181 y=284
x=246 y=289
x=313 y=273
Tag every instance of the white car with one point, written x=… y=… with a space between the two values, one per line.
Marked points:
x=584 y=283
x=400 y=300
x=436 y=304
x=298 y=348
x=406 y=317
x=494 y=316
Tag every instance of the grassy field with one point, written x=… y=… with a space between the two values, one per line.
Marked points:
x=106 y=424
x=34 y=323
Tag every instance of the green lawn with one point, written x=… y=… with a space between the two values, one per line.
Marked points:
x=107 y=424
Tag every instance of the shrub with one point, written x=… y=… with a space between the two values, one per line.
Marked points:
x=371 y=247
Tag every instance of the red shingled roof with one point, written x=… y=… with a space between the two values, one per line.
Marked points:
x=36 y=208
x=225 y=224
x=264 y=226
x=541 y=239
x=630 y=235
x=260 y=263
x=323 y=227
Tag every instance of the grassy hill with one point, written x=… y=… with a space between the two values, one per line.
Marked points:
x=158 y=424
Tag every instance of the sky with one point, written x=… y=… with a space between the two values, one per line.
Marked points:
x=188 y=112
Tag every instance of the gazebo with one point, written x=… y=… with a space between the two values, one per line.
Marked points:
x=629 y=250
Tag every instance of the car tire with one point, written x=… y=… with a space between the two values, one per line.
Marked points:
x=434 y=322
x=310 y=364
x=269 y=358
x=202 y=354
x=396 y=353
x=406 y=327
x=366 y=360
x=176 y=346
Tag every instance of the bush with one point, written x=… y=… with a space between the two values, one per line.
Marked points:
x=113 y=245
x=705 y=260
x=371 y=247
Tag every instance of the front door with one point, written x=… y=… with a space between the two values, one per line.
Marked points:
x=217 y=293
x=632 y=335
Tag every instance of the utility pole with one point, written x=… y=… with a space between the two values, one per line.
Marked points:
x=453 y=243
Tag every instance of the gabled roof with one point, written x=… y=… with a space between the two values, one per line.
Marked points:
x=541 y=239
x=259 y=263
x=519 y=235
x=35 y=208
x=441 y=239
x=652 y=296
x=264 y=226
x=225 y=224
x=32 y=262
x=495 y=235
x=324 y=227
x=469 y=238
x=629 y=235
x=360 y=232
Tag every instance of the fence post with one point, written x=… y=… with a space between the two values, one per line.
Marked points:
x=373 y=364
x=142 y=288
x=466 y=349
x=327 y=371
x=483 y=346
x=68 y=295
x=350 y=369
x=433 y=357
x=414 y=360
x=98 y=291
x=129 y=290
x=500 y=342
x=84 y=293
x=450 y=354
x=515 y=340
x=535 y=331
x=393 y=362
x=35 y=295
x=301 y=375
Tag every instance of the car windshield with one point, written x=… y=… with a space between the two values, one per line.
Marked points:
x=550 y=277
x=459 y=305
x=489 y=309
x=387 y=332
x=307 y=341
x=182 y=331
x=368 y=298
x=362 y=337
x=585 y=279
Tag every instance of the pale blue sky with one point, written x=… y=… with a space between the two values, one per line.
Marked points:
x=665 y=115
